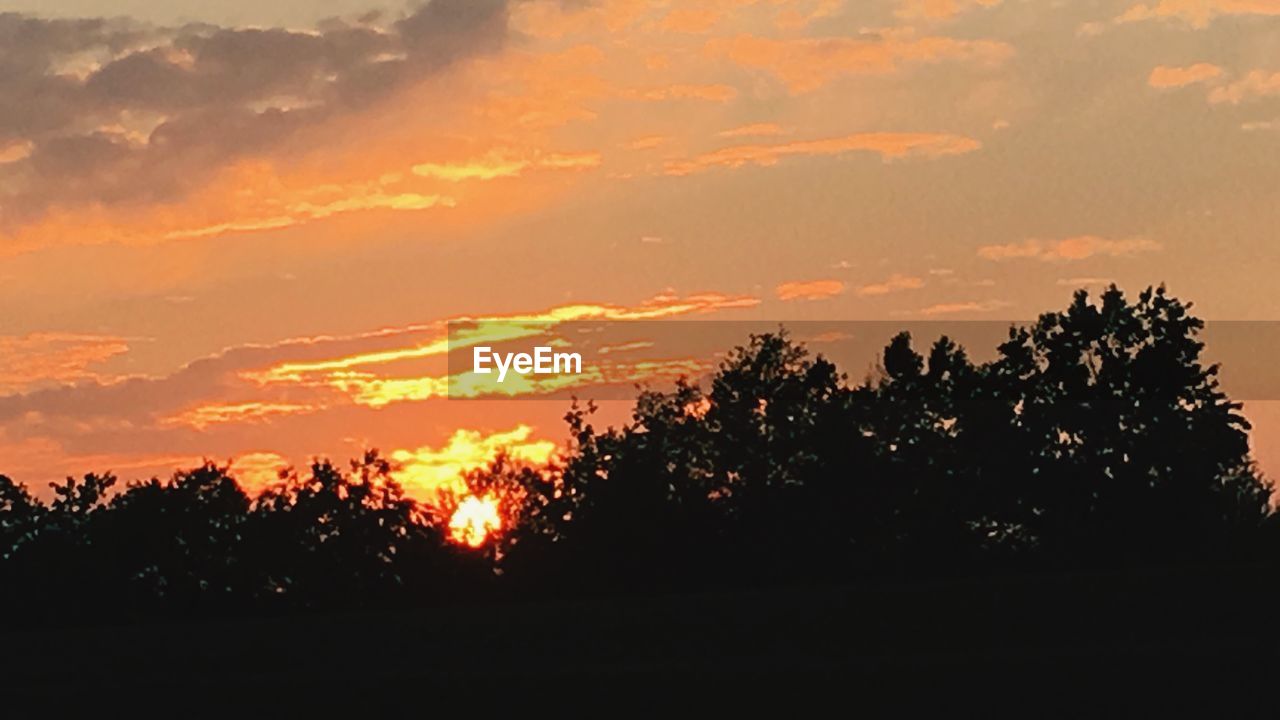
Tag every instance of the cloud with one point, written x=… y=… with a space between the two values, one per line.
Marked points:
x=203 y=416
x=1080 y=282
x=799 y=15
x=809 y=289
x=755 y=130
x=647 y=142
x=895 y=283
x=117 y=113
x=717 y=93
x=1164 y=76
x=304 y=395
x=938 y=9
x=49 y=358
x=955 y=308
x=1197 y=13
x=502 y=164
x=257 y=471
x=807 y=64
x=886 y=144
x=1068 y=249
x=1256 y=84
x=690 y=20
x=1255 y=125
x=427 y=470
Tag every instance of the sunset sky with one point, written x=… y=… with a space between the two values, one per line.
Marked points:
x=236 y=229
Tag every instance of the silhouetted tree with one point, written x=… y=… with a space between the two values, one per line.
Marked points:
x=1095 y=437
x=180 y=541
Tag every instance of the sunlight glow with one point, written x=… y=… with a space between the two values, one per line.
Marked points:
x=474 y=520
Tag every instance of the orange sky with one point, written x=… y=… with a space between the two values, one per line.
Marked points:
x=237 y=229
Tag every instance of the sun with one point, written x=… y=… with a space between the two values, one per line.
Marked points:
x=473 y=521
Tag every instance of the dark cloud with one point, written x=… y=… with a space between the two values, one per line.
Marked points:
x=117 y=111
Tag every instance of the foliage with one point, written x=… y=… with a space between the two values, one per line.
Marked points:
x=1095 y=437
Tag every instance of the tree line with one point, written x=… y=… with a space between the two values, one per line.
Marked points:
x=1096 y=438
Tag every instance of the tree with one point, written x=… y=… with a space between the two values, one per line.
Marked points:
x=1132 y=449
x=179 y=542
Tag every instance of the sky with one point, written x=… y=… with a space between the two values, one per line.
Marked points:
x=238 y=230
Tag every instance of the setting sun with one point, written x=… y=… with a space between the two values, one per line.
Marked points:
x=474 y=520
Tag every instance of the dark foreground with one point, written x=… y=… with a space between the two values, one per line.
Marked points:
x=1198 y=640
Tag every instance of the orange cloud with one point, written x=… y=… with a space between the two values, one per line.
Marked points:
x=115 y=117
x=887 y=145
x=809 y=289
x=647 y=142
x=1075 y=248
x=709 y=93
x=983 y=306
x=798 y=18
x=257 y=471
x=1256 y=84
x=895 y=283
x=15 y=150
x=426 y=471
x=203 y=416
x=808 y=64
x=29 y=361
x=938 y=9
x=1197 y=13
x=690 y=20
x=754 y=130
x=500 y=164
x=355 y=375
x=1174 y=77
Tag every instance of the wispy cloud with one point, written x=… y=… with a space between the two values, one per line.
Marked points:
x=755 y=130
x=1164 y=76
x=809 y=290
x=807 y=64
x=505 y=164
x=1196 y=13
x=957 y=308
x=38 y=359
x=1069 y=249
x=894 y=283
x=889 y=146
x=938 y=9
x=1256 y=84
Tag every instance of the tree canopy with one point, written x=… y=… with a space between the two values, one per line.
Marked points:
x=1095 y=437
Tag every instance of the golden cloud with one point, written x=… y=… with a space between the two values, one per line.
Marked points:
x=1175 y=77
x=501 y=164
x=257 y=471
x=36 y=359
x=809 y=289
x=982 y=306
x=426 y=471
x=355 y=376
x=888 y=145
x=203 y=416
